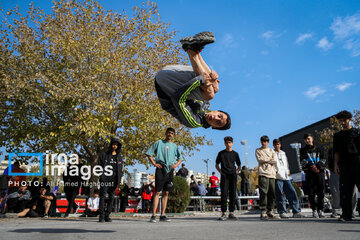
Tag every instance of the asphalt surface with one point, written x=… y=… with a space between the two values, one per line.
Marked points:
x=198 y=226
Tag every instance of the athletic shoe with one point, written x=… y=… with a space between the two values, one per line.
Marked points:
x=197 y=42
x=164 y=219
x=232 y=217
x=107 y=219
x=334 y=215
x=271 y=215
x=46 y=215
x=263 y=215
x=321 y=214
x=283 y=215
x=315 y=214
x=101 y=220
x=153 y=219
x=222 y=218
x=298 y=215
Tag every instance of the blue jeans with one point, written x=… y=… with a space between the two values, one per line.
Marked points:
x=290 y=193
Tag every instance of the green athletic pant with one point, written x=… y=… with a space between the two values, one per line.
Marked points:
x=267 y=193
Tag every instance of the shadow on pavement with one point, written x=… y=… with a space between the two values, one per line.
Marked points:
x=59 y=230
x=349 y=230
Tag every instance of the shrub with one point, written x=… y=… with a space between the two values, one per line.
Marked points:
x=179 y=197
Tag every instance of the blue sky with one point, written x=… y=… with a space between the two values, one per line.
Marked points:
x=282 y=64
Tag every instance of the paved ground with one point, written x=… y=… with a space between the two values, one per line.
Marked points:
x=198 y=226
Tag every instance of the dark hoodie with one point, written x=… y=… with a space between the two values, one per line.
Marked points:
x=312 y=155
x=115 y=161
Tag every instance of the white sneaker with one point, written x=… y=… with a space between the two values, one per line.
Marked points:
x=315 y=214
x=283 y=215
x=321 y=214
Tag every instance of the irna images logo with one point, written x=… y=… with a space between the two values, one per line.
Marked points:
x=32 y=156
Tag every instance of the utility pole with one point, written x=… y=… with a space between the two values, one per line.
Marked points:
x=244 y=143
x=206 y=161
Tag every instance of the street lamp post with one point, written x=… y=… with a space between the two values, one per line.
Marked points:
x=244 y=143
x=297 y=147
x=206 y=161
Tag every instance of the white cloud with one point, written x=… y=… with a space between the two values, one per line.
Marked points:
x=324 y=44
x=264 y=52
x=344 y=69
x=346 y=27
x=271 y=37
x=315 y=91
x=353 y=46
x=303 y=37
x=268 y=34
x=347 y=31
x=342 y=87
x=229 y=41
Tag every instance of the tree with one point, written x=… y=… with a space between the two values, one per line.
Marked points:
x=75 y=77
x=325 y=136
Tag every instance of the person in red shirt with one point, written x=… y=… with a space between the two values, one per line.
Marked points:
x=146 y=198
x=14 y=182
x=214 y=181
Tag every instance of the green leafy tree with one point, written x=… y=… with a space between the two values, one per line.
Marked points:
x=75 y=77
x=325 y=136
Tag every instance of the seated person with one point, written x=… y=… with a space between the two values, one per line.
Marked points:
x=17 y=201
x=92 y=209
x=40 y=205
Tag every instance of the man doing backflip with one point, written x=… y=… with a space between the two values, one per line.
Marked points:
x=185 y=91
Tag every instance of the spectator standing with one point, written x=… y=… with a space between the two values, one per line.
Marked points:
x=244 y=174
x=168 y=157
x=71 y=188
x=267 y=160
x=284 y=184
x=108 y=184
x=226 y=162
x=313 y=164
x=146 y=196
x=334 y=187
x=214 y=181
x=183 y=172
x=347 y=162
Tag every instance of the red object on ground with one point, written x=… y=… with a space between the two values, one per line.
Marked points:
x=62 y=203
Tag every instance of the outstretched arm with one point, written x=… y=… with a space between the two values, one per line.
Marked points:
x=199 y=66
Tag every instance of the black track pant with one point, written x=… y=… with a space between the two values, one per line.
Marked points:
x=71 y=193
x=228 y=189
x=316 y=187
x=105 y=211
x=349 y=177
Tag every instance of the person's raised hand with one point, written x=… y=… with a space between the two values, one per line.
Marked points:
x=214 y=76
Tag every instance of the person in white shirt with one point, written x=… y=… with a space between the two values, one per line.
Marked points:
x=283 y=184
x=92 y=209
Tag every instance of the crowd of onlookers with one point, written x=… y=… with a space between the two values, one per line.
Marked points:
x=338 y=175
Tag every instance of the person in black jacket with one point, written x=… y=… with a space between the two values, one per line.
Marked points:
x=347 y=162
x=183 y=172
x=313 y=164
x=108 y=184
x=71 y=187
